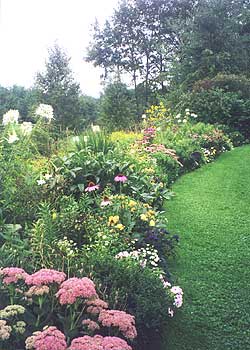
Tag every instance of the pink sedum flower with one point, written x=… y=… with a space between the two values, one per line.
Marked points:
x=99 y=342
x=120 y=178
x=12 y=274
x=49 y=339
x=95 y=306
x=91 y=325
x=45 y=277
x=91 y=187
x=75 y=288
x=115 y=318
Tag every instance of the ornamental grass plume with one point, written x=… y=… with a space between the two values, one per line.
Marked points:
x=95 y=306
x=115 y=318
x=44 y=277
x=99 y=342
x=49 y=339
x=75 y=288
x=12 y=274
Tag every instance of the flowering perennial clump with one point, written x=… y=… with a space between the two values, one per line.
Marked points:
x=75 y=288
x=99 y=342
x=11 y=117
x=11 y=311
x=49 y=339
x=91 y=325
x=95 y=306
x=91 y=187
x=44 y=277
x=5 y=330
x=115 y=318
x=45 y=111
x=12 y=274
x=37 y=290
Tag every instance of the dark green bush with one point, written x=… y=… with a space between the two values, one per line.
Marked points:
x=128 y=286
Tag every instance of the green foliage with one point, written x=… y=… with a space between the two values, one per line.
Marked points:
x=57 y=87
x=130 y=287
x=117 y=107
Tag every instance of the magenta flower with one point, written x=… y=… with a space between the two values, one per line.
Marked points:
x=121 y=178
x=75 y=288
x=44 y=277
x=12 y=274
x=91 y=187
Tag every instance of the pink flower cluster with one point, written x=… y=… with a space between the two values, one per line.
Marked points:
x=49 y=339
x=178 y=296
x=91 y=325
x=99 y=342
x=115 y=318
x=12 y=274
x=44 y=277
x=95 y=306
x=74 y=288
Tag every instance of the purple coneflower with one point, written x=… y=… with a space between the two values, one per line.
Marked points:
x=121 y=178
x=91 y=187
x=106 y=201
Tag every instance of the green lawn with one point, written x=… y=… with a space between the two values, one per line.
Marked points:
x=211 y=212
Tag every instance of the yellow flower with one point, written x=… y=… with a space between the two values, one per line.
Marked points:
x=144 y=217
x=120 y=227
x=132 y=203
x=113 y=220
x=133 y=209
x=151 y=212
x=151 y=223
x=54 y=216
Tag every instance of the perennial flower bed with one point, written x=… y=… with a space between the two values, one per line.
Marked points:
x=83 y=229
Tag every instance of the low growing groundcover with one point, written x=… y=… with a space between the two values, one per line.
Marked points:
x=211 y=214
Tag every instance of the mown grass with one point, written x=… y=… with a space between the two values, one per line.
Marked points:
x=211 y=212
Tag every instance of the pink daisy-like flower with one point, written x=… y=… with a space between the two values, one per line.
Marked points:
x=75 y=288
x=12 y=274
x=91 y=187
x=120 y=178
x=44 y=277
x=106 y=201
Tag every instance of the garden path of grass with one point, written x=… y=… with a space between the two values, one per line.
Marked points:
x=211 y=212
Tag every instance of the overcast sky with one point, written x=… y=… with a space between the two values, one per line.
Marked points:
x=29 y=27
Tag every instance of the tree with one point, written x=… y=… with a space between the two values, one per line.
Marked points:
x=57 y=87
x=140 y=40
x=117 y=107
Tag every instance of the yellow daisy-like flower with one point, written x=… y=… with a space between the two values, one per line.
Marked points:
x=151 y=223
x=151 y=212
x=144 y=217
x=133 y=209
x=120 y=227
x=113 y=220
